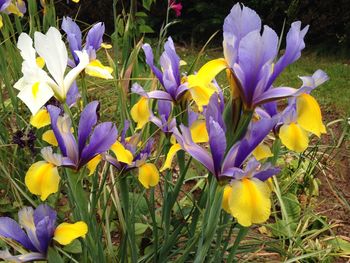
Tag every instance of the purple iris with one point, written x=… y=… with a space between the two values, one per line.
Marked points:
x=4 y=4
x=251 y=54
x=39 y=225
x=75 y=153
x=169 y=77
x=165 y=122
x=221 y=164
x=74 y=36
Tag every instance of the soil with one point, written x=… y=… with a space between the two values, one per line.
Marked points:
x=334 y=195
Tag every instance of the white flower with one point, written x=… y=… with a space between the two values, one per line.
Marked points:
x=36 y=86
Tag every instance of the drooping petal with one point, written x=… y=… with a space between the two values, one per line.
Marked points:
x=294 y=137
x=41 y=119
x=249 y=201
x=42 y=179
x=96 y=69
x=35 y=96
x=123 y=155
x=28 y=257
x=170 y=156
x=309 y=114
x=262 y=151
x=148 y=175
x=274 y=94
x=226 y=198
x=140 y=113
x=10 y=229
x=93 y=163
x=49 y=137
x=65 y=233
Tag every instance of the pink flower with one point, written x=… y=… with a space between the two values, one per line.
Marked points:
x=176 y=7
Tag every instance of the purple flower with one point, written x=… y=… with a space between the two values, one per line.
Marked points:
x=251 y=54
x=39 y=225
x=222 y=162
x=165 y=122
x=92 y=139
x=40 y=229
x=74 y=36
x=4 y=4
x=169 y=77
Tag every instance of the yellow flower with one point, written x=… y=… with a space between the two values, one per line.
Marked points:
x=92 y=164
x=262 y=151
x=123 y=155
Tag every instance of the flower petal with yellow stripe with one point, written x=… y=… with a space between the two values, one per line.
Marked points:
x=65 y=233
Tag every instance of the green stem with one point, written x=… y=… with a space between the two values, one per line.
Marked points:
x=130 y=226
x=241 y=234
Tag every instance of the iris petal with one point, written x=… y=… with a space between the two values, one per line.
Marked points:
x=294 y=137
x=123 y=155
x=262 y=151
x=148 y=175
x=92 y=164
x=225 y=198
x=170 y=156
x=49 y=137
x=140 y=112
x=309 y=114
x=42 y=179
x=41 y=119
x=199 y=132
x=65 y=233
x=250 y=201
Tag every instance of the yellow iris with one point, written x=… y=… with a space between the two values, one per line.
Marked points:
x=65 y=233
x=97 y=69
x=123 y=155
x=262 y=151
x=50 y=138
